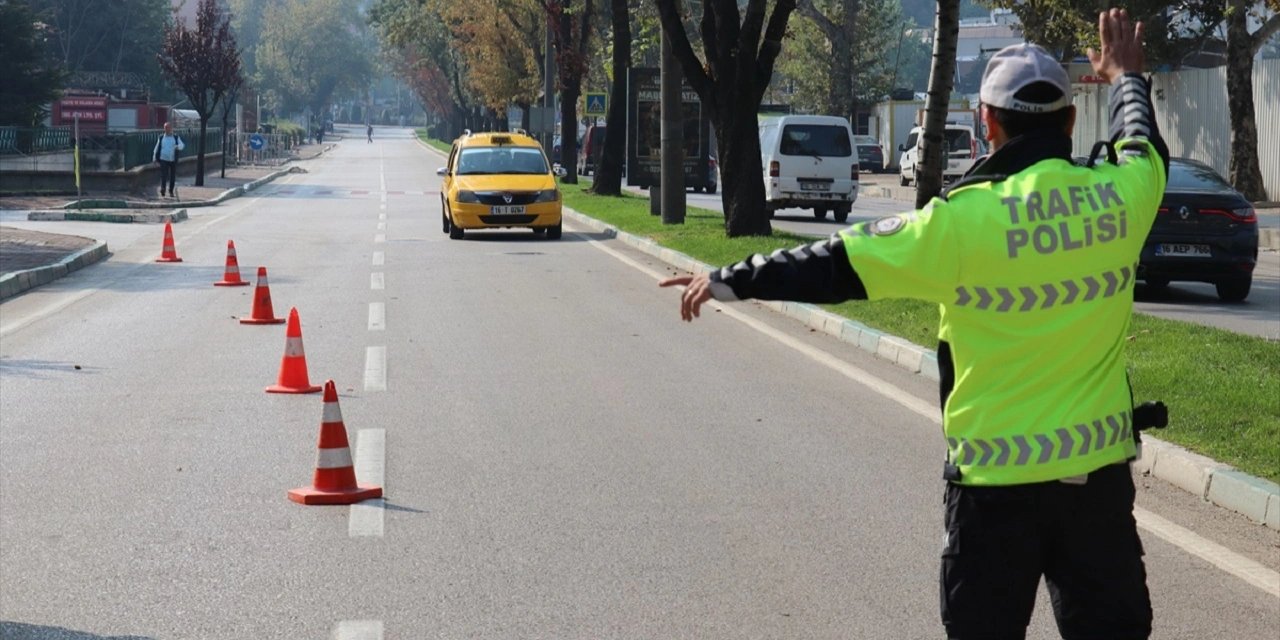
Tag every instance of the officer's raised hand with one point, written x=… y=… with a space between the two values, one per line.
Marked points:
x=1121 y=50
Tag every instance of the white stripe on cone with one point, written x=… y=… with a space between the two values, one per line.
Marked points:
x=333 y=458
x=332 y=413
x=293 y=348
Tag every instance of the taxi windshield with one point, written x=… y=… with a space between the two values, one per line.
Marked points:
x=477 y=161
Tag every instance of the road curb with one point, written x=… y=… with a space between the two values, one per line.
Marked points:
x=233 y=192
x=1213 y=481
x=11 y=284
x=175 y=215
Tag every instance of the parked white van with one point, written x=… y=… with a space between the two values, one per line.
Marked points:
x=809 y=163
x=963 y=148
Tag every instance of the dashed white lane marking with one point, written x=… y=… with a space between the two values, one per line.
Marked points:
x=379 y=258
x=367 y=518
x=377 y=281
x=383 y=206
x=375 y=369
x=382 y=226
x=379 y=238
x=377 y=316
x=358 y=630
x=1215 y=554
x=1212 y=552
x=382 y=216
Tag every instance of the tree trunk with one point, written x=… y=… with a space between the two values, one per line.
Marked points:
x=946 y=33
x=223 y=174
x=1244 y=170
x=608 y=180
x=204 y=125
x=570 y=91
x=738 y=139
x=525 y=116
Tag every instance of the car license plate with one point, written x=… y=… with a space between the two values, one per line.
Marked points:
x=506 y=210
x=814 y=186
x=1184 y=250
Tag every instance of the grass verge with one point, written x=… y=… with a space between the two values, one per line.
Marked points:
x=1222 y=388
x=438 y=144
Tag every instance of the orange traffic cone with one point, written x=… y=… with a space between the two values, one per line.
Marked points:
x=168 y=253
x=262 y=311
x=231 y=275
x=335 y=478
x=293 y=367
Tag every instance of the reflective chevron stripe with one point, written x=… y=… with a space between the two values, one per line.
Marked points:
x=1026 y=298
x=1042 y=448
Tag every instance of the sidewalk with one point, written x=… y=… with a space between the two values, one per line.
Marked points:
x=29 y=259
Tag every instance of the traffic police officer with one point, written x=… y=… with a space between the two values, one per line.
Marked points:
x=1032 y=259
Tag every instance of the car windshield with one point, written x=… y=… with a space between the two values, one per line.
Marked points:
x=816 y=140
x=958 y=140
x=1193 y=176
x=492 y=160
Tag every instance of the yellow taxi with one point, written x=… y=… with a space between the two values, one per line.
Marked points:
x=499 y=180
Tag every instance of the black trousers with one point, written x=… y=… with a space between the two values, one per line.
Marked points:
x=168 y=174
x=1081 y=538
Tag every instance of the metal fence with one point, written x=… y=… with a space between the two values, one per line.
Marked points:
x=270 y=149
x=26 y=141
x=111 y=151
x=1192 y=113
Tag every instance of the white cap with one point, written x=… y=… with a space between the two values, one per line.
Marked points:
x=1017 y=66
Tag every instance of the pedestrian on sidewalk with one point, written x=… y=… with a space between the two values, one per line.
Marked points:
x=166 y=153
x=370 y=133
x=1037 y=411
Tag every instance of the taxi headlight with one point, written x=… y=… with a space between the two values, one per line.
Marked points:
x=467 y=196
x=548 y=195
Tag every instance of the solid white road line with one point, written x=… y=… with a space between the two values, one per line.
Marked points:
x=1212 y=552
x=377 y=316
x=377 y=281
x=379 y=258
x=375 y=369
x=358 y=630
x=367 y=518
x=1217 y=555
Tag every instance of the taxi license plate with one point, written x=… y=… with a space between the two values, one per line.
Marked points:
x=1184 y=250
x=506 y=210
x=814 y=186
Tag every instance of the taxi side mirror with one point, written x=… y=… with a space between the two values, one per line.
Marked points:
x=442 y=171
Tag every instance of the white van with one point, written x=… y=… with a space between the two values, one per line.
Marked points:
x=962 y=148
x=809 y=163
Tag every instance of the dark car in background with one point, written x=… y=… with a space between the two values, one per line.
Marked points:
x=870 y=154
x=1205 y=231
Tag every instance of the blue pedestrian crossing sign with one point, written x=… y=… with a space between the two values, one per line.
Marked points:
x=596 y=104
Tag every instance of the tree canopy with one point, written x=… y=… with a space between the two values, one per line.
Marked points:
x=311 y=51
x=33 y=78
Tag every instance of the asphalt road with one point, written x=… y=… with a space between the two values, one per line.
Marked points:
x=562 y=457
x=1194 y=302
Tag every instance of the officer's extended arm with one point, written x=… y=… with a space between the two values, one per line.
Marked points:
x=818 y=272
x=1132 y=116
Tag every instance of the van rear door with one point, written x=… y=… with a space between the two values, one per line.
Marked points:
x=815 y=155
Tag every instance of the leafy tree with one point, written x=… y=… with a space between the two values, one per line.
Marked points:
x=32 y=79
x=841 y=56
x=312 y=50
x=608 y=179
x=420 y=46
x=204 y=63
x=1242 y=46
x=740 y=50
x=570 y=23
x=946 y=37
x=107 y=35
x=502 y=62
